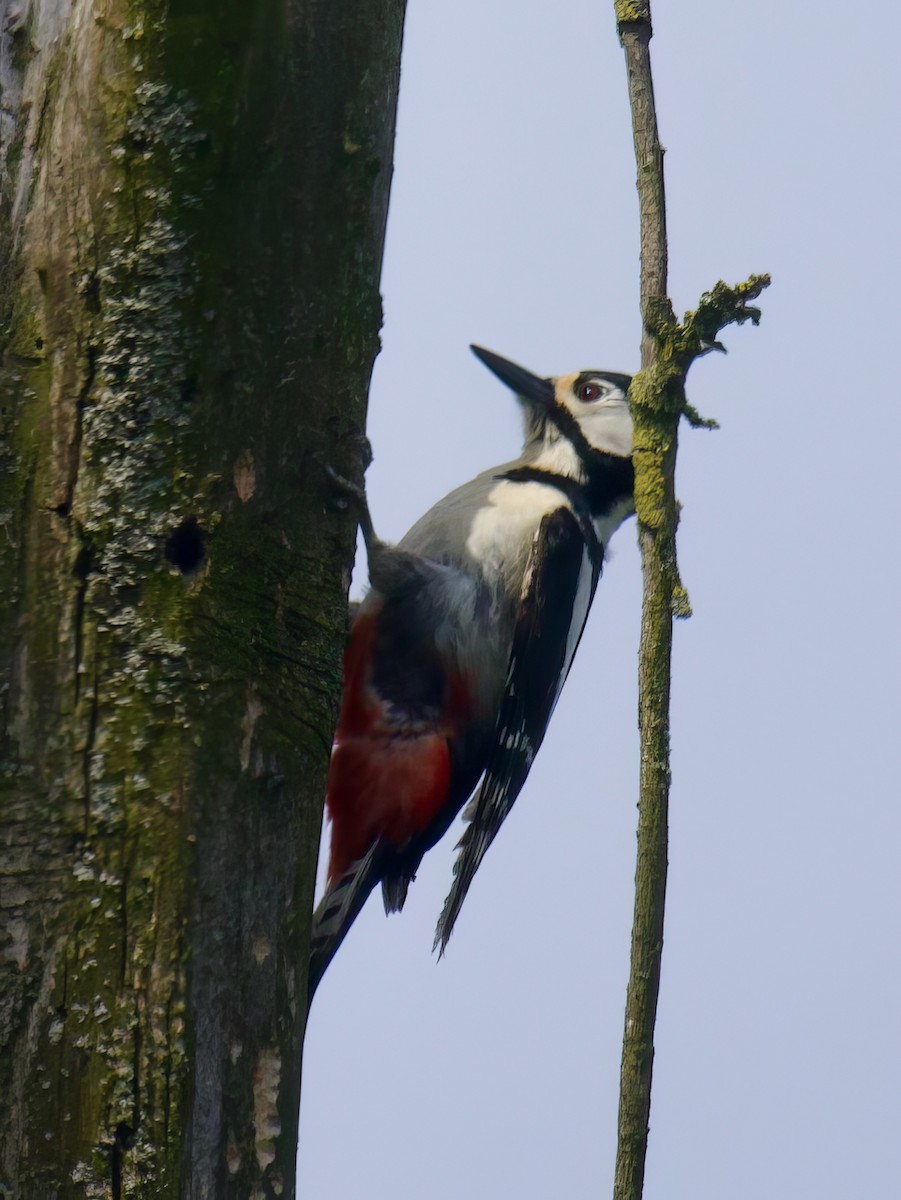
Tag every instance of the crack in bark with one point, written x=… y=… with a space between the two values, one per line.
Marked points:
x=121 y=1142
x=82 y=565
x=167 y=1068
x=123 y=921
x=81 y=403
x=93 y=719
x=81 y=570
x=136 y=1068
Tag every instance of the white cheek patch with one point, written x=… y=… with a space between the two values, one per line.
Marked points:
x=608 y=427
x=606 y=423
x=560 y=458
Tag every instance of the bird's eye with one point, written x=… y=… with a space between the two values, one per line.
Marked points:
x=589 y=392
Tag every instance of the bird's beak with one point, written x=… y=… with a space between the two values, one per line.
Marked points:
x=526 y=385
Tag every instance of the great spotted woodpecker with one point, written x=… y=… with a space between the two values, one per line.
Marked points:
x=458 y=654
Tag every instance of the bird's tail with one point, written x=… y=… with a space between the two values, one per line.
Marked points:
x=339 y=908
x=394 y=890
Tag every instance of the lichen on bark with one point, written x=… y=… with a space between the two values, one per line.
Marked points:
x=194 y=202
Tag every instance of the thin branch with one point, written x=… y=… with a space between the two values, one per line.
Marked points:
x=654 y=455
x=658 y=402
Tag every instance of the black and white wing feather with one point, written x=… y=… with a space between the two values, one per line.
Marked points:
x=558 y=587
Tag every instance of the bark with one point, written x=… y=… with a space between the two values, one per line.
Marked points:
x=194 y=199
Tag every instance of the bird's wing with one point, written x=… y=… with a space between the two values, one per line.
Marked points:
x=558 y=586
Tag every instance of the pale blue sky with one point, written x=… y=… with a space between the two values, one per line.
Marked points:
x=514 y=224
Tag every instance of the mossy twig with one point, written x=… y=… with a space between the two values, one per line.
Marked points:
x=658 y=402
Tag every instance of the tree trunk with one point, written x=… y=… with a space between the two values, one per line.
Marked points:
x=194 y=200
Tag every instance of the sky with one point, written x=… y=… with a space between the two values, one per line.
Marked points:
x=513 y=223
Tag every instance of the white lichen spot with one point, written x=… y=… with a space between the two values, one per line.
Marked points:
x=245 y=475
x=17 y=948
x=267 y=1126
x=265 y=1154
x=82 y=869
x=77 y=1009
x=55 y=1031
x=261 y=948
x=248 y=724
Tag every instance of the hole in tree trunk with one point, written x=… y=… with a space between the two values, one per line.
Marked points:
x=184 y=546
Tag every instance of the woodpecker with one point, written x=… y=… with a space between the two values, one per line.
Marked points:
x=458 y=653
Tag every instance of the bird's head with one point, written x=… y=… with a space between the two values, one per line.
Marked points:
x=588 y=410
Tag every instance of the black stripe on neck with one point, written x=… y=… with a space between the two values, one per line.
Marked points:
x=571 y=488
x=609 y=479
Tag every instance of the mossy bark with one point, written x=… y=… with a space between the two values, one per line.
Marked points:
x=194 y=198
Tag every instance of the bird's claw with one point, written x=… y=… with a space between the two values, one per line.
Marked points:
x=352 y=495
x=353 y=491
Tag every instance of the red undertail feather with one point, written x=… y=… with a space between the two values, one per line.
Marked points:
x=383 y=787
x=384 y=780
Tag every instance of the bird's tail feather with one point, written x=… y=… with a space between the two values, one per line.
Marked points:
x=339 y=908
x=394 y=891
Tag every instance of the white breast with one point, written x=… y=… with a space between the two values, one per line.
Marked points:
x=501 y=531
